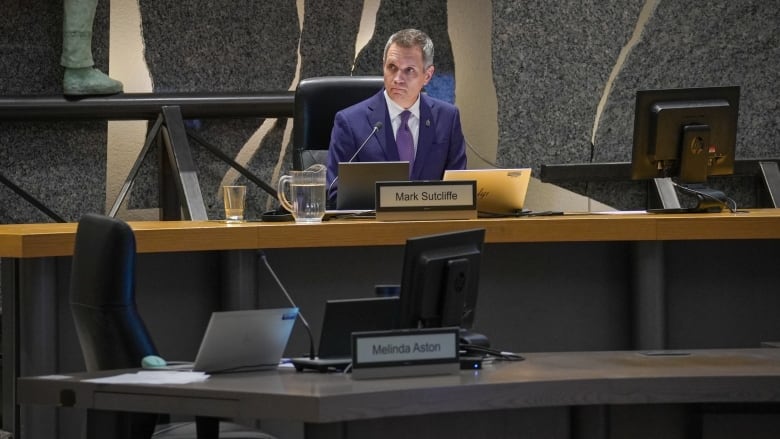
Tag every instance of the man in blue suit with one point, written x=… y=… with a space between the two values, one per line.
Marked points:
x=400 y=122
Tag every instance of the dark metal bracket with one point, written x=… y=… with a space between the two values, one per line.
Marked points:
x=177 y=169
x=770 y=175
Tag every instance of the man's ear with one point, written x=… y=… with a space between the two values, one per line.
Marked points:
x=428 y=74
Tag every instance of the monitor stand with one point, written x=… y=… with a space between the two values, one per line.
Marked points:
x=710 y=200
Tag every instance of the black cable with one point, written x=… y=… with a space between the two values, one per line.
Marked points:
x=261 y=254
x=495 y=353
x=518 y=213
x=479 y=156
x=730 y=203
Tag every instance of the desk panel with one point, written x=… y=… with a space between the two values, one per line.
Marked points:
x=572 y=282
x=542 y=380
x=42 y=240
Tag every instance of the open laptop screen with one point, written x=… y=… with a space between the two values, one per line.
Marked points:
x=499 y=191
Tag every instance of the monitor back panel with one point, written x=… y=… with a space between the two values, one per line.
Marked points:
x=343 y=317
x=357 y=182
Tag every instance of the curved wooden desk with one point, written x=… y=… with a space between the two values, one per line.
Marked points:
x=326 y=401
x=35 y=261
x=44 y=240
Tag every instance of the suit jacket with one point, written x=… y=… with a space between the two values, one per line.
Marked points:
x=440 y=143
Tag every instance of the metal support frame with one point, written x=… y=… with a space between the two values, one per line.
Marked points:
x=151 y=136
x=168 y=131
x=666 y=193
x=649 y=295
x=661 y=193
x=770 y=175
x=30 y=199
x=184 y=173
x=233 y=164
x=177 y=170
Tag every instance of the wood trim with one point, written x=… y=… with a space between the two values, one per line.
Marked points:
x=44 y=240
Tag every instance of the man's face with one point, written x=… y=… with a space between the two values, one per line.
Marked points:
x=405 y=75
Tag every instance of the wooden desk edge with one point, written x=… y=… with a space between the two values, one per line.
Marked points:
x=45 y=240
x=544 y=380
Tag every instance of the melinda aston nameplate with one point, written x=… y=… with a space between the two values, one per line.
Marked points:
x=426 y=200
x=405 y=352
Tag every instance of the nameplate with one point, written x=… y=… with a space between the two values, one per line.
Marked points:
x=414 y=352
x=421 y=200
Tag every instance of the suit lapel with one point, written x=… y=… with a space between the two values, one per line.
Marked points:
x=426 y=135
x=377 y=112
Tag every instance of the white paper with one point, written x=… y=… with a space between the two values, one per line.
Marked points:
x=153 y=377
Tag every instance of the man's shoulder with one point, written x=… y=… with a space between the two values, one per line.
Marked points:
x=437 y=104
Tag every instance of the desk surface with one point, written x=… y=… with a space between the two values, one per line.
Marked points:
x=42 y=240
x=542 y=380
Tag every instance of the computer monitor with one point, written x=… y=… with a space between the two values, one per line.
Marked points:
x=685 y=135
x=440 y=280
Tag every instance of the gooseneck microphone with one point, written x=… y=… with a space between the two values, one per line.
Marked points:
x=312 y=353
x=377 y=127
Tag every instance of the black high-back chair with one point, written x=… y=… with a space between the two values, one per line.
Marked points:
x=317 y=100
x=102 y=295
x=111 y=332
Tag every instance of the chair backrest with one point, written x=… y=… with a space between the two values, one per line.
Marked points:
x=317 y=100
x=111 y=333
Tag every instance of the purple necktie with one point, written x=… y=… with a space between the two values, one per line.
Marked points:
x=405 y=141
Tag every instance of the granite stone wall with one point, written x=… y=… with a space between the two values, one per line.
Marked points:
x=204 y=46
x=551 y=66
x=60 y=163
x=251 y=46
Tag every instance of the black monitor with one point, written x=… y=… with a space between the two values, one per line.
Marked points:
x=683 y=136
x=440 y=280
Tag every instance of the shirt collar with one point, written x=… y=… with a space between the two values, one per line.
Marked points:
x=395 y=110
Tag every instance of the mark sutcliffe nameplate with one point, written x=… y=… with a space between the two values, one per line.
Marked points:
x=413 y=352
x=426 y=200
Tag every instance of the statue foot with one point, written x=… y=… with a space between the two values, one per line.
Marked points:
x=88 y=81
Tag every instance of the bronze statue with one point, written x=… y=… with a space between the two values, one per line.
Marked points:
x=81 y=78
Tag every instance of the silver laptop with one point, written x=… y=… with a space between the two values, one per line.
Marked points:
x=237 y=341
x=357 y=182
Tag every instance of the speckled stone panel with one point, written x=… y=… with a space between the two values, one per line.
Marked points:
x=702 y=44
x=551 y=67
x=550 y=63
x=61 y=164
x=206 y=46
x=330 y=28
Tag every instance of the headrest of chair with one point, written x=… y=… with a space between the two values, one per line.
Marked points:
x=317 y=100
x=103 y=265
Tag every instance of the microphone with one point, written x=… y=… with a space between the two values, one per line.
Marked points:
x=377 y=127
x=312 y=353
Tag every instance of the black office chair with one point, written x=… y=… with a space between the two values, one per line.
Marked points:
x=317 y=100
x=111 y=332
